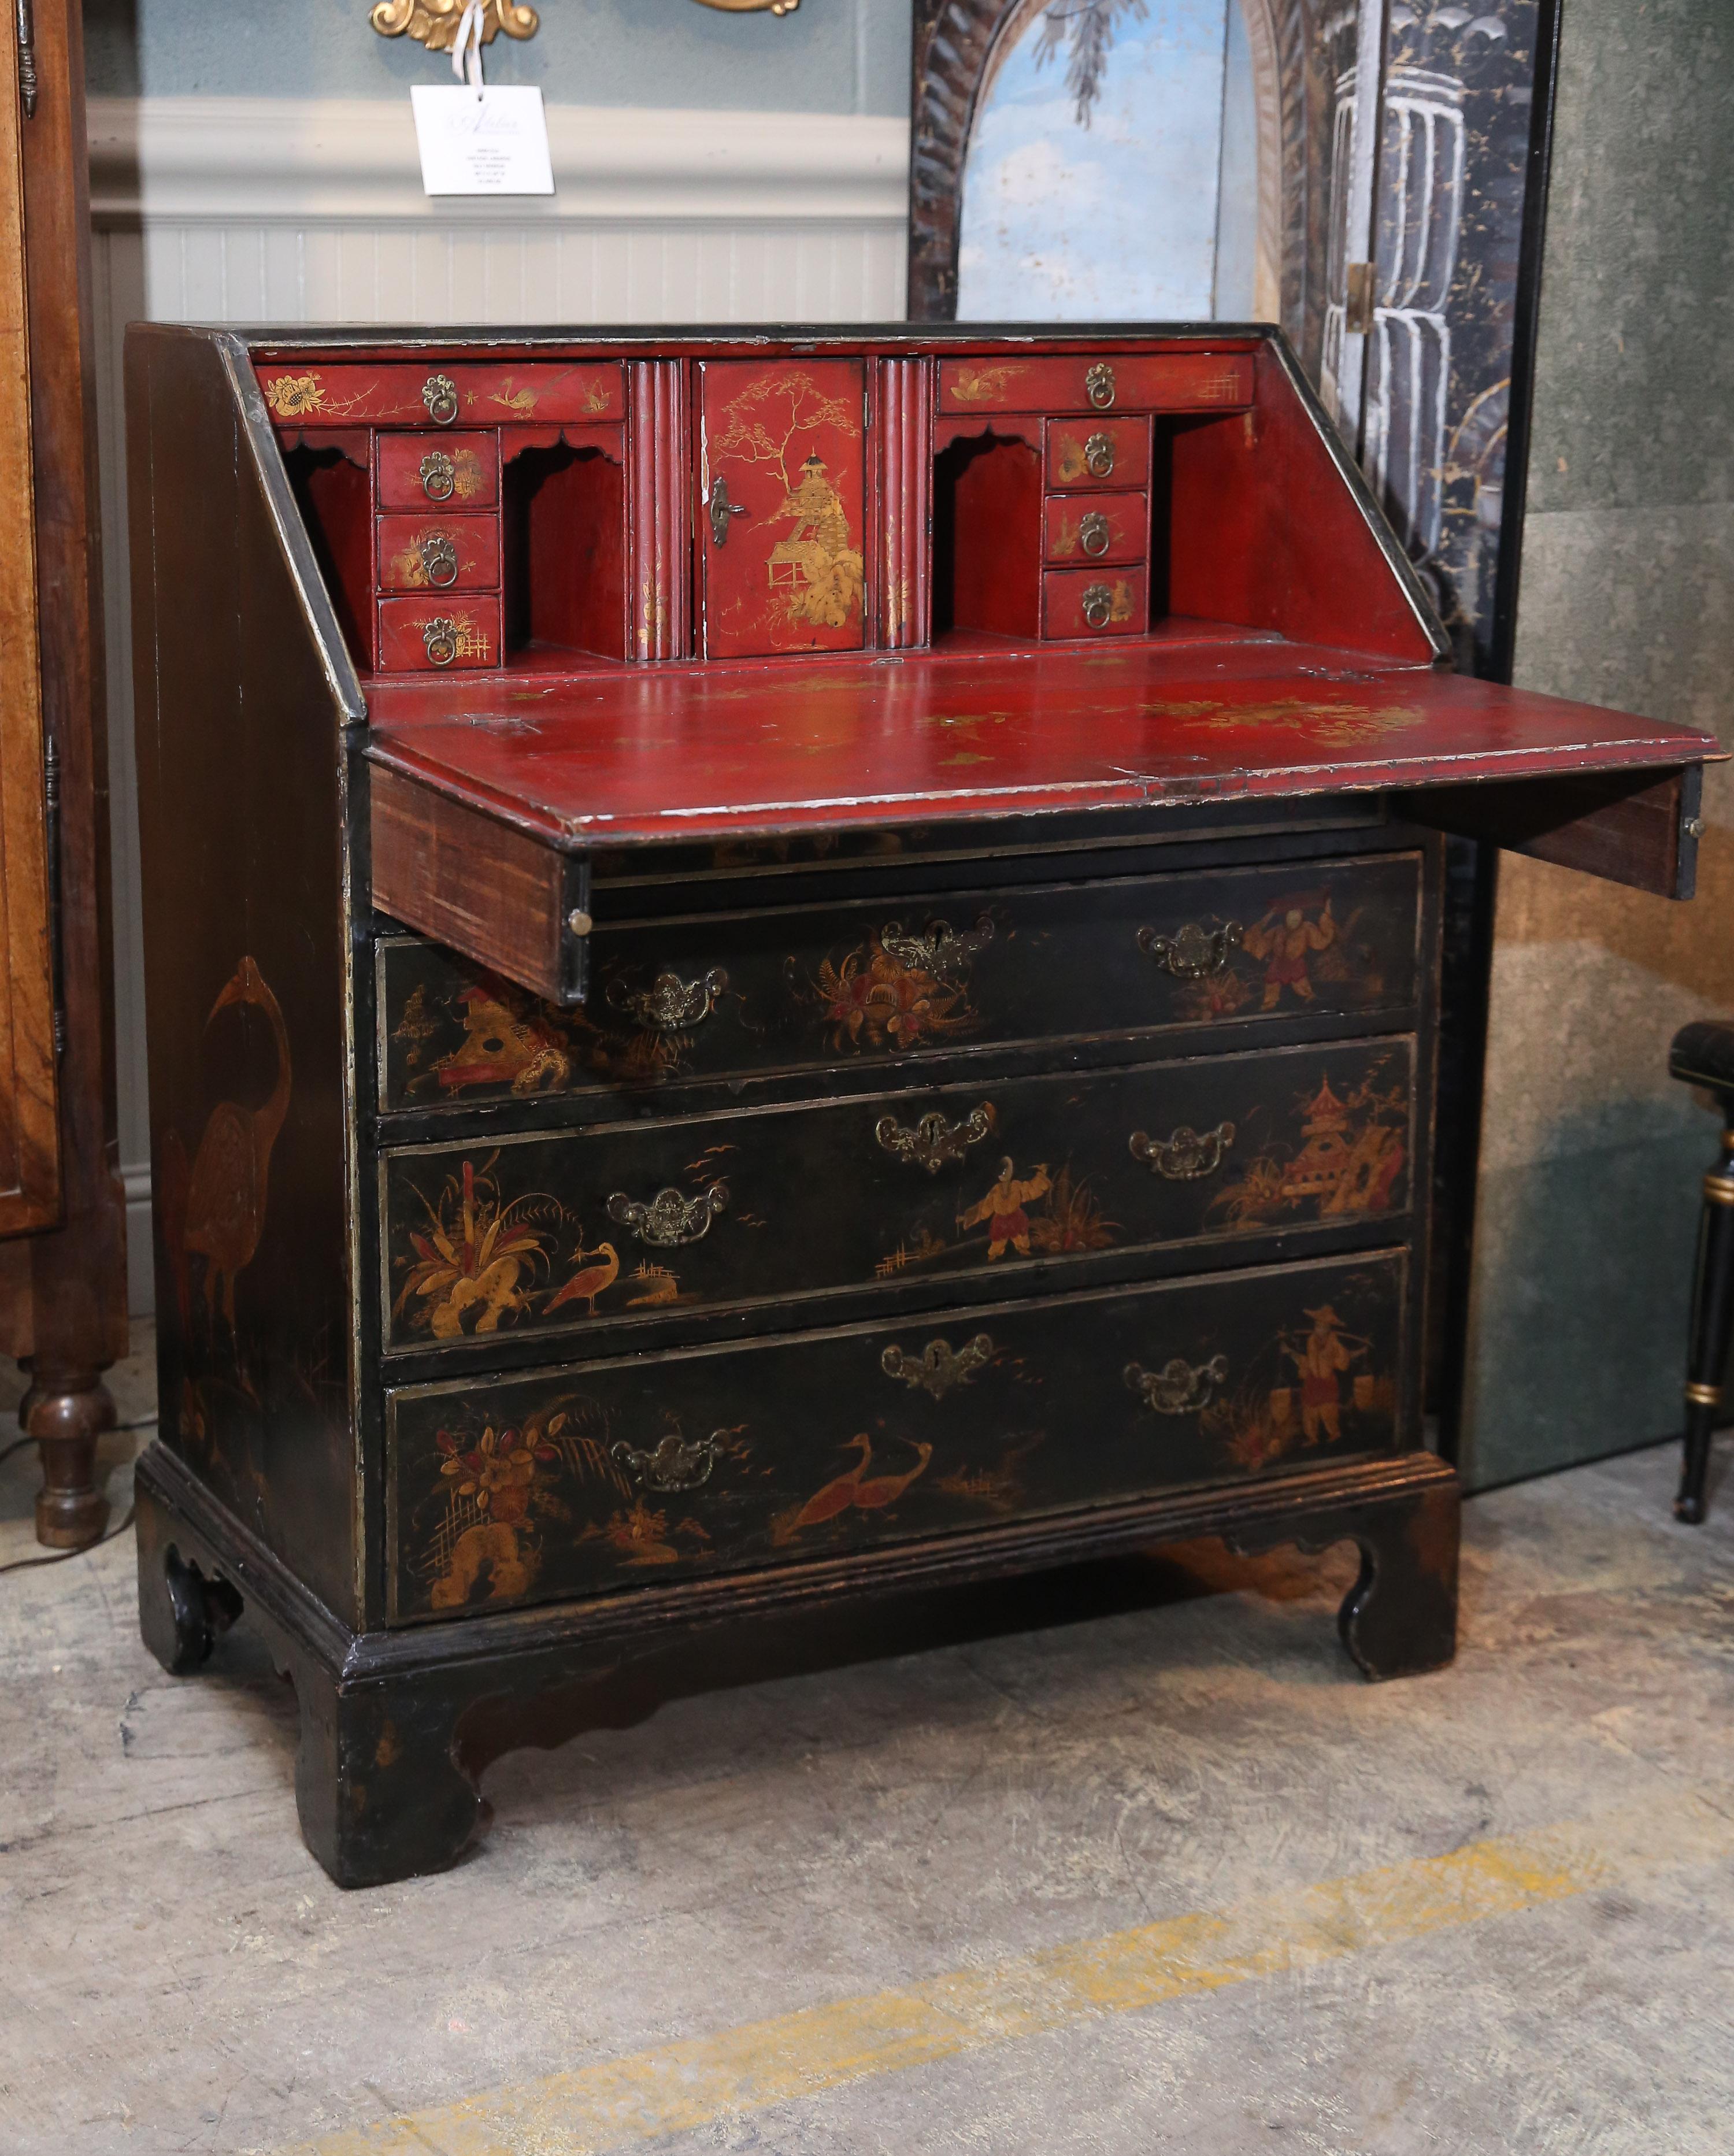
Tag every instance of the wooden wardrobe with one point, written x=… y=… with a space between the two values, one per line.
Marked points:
x=63 y=1270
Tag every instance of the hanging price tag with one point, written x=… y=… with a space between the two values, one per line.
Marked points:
x=482 y=140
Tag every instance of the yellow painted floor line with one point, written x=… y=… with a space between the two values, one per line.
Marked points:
x=677 y=2087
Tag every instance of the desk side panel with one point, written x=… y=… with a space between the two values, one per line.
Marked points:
x=241 y=703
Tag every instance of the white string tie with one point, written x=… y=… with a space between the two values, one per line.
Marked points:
x=467 y=47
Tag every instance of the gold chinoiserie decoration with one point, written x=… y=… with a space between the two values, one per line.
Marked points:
x=434 y=23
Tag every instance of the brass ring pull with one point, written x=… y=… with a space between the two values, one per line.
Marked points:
x=438 y=475
x=1098 y=456
x=721 y=509
x=669 y=1218
x=937 y=1369
x=439 y=393
x=1191 y=954
x=1099 y=385
x=439 y=640
x=933 y=1141
x=675 y=1464
x=439 y=560
x=1096 y=534
x=1179 y=1388
x=1186 y=1156
x=670 y=1004
x=1098 y=606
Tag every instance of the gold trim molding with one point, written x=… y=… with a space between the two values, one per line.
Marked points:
x=434 y=23
x=752 y=7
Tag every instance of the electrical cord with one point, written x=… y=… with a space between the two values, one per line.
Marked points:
x=60 y=1556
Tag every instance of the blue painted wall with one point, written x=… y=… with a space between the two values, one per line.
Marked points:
x=829 y=56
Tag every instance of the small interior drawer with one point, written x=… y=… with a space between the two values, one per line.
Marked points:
x=1098 y=382
x=455 y=471
x=1090 y=603
x=443 y=392
x=436 y=635
x=1080 y=530
x=438 y=554
x=1098 y=453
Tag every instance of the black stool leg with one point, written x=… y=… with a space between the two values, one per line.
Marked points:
x=1712 y=1320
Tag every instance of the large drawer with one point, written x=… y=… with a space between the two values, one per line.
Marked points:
x=577 y=1230
x=795 y=988
x=569 y=1482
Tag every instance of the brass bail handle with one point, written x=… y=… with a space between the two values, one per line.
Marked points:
x=1098 y=456
x=1095 y=534
x=439 y=640
x=1098 y=606
x=1099 y=385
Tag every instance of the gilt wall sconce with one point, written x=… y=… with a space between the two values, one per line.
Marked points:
x=434 y=23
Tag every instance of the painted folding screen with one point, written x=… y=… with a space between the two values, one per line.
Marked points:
x=1355 y=172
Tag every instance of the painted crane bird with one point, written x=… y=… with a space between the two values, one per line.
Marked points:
x=216 y=1209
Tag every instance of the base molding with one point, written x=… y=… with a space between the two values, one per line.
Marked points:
x=397 y=1727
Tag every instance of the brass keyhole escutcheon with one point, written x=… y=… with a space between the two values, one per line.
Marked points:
x=439 y=560
x=439 y=640
x=438 y=475
x=1098 y=455
x=1099 y=385
x=439 y=393
x=1098 y=606
x=1095 y=534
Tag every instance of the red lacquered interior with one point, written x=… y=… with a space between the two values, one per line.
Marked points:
x=1239 y=511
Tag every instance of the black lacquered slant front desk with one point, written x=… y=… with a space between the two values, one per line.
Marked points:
x=782 y=968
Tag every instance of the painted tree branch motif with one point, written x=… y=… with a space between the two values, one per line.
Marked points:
x=817 y=572
x=1086 y=28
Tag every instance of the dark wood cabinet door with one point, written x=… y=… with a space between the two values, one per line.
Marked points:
x=29 y=1132
x=781 y=520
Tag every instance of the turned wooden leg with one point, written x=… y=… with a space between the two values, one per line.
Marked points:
x=68 y=1410
x=378 y=1787
x=1399 y=1618
x=1712 y=1322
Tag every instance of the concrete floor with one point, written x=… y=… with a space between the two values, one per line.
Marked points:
x=1175 y=1878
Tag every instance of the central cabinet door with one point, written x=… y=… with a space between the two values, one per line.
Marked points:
x=780 y=514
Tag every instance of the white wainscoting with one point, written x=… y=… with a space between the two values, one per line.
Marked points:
x=285 y=210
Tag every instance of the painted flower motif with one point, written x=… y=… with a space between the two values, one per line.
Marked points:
x=873 y=995
x=290 y=395
x=496 y=1472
